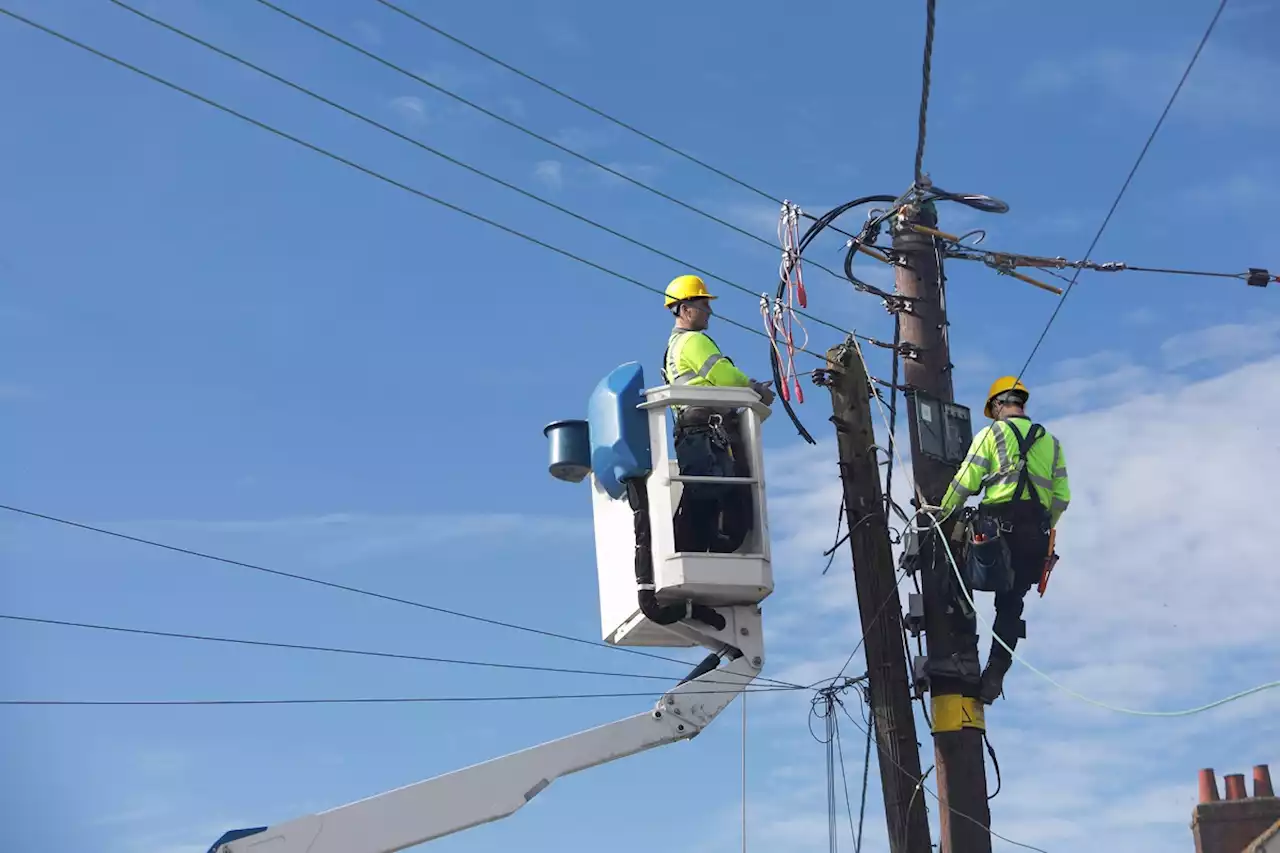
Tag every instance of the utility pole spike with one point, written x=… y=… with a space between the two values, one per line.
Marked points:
x=950 y=629
x=878 y=604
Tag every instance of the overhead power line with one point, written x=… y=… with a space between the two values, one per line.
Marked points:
x=534 y=134
x=588 y=107
x=205 y=638
x=1129 y=179
x=455 y=161
x=597 y=111
x=369 y=700
x=342 y=587
x=365 y=169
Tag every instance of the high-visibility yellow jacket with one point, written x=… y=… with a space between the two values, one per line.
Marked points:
x=692 y=358
x=994 y=462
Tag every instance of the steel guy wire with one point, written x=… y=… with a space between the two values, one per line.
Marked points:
x=833 y=818
x=925 y=71
x=238 y=641
x=866 y=774
x=1123 y=267
x=1005 y=262
x=368 y=700
x=346 y=588
x=366 y=170
x=1129 y=179
x=950 y=808
x=455 y=161
x=744 y=773
x=517 y=126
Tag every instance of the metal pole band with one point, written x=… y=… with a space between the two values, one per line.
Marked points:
x=952 y=713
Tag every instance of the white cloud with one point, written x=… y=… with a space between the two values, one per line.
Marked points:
x=550 y=173
x=14 y=391
x=1164 y=599
x=515 y=106
x=759 y=219
x=1225 y=85
x=645 y=173
x=411 y=108
x=337 y=540
x=583 y=140
x=1227 y=342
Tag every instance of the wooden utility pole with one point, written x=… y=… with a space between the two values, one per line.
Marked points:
x=950 y=629
x=878 y=604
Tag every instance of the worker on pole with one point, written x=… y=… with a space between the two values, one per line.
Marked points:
x=711 y=516
x=1022 y=471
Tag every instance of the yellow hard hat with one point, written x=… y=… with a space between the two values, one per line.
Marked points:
x=686 y=287
x=1002 y=385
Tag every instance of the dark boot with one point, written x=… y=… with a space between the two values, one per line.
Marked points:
x=993 y=678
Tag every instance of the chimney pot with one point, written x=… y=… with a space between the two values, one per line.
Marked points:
x=1262 y=781
x=1235 y=787
x=1208 y=786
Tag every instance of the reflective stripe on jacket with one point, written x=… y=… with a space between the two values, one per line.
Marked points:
x=994 y=462
x=692 y=358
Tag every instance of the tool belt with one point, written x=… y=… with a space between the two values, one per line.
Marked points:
x=716 y=422
x=988 y=562
x=694 y=416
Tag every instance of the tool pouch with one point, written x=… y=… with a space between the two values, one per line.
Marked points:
x=988 y=562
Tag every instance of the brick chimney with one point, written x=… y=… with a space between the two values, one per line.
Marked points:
x=1231 y=823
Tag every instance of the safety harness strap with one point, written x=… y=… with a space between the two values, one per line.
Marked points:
x=1026 y=490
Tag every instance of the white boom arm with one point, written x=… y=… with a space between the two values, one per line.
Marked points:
x=497 y=788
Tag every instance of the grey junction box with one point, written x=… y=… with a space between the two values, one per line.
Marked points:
x=944 y=430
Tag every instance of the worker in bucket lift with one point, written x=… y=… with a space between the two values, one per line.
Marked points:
x=711 y=516
x=1022 y=471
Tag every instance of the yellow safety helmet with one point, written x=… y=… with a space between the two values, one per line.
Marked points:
x=1000 y=386
x=686 y=287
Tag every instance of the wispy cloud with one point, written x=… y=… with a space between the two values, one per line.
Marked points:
x=411 y=108
x=549 y=173
x=1133 y=593
x=13 y=391
x=343 y=539
x=1225 y=86
x=1231 y=342
x=562 y=35
x=515 y=107
x=644 y=172
x=368 y=33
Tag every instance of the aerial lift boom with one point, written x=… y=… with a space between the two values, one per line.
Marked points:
x=651 y=595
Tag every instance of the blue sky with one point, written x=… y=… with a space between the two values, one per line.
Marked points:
x=215 y=338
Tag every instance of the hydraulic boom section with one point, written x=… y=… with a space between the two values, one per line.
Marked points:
x=499 y=787
x=650 y=595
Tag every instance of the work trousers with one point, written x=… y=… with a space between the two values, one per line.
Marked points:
x=712 y=517
x=1028 y=542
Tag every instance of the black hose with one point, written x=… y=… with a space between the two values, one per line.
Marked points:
x=985 y=203
x=707 y=664
x=659 y=614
